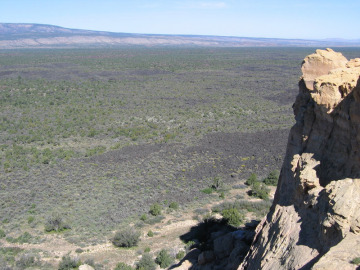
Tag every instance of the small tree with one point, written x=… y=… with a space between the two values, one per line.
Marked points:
x=260 y=190
x=143 y=217
x=56 y=223
x=126 y=238
x=272 y=178
x=251 y=180
x=155 y=209
x=146 y=263
x=174 y=205
x=232 y=216
x=164 y=259
x=69 y=263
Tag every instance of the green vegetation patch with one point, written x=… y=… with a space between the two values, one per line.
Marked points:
x=101 y=135
x=356 y=261
x=123 y=266
x=127 y=237
x=164 y=259
x=232 y=216
x=146 y=262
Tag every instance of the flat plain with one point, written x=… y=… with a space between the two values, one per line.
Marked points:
x=97 y=136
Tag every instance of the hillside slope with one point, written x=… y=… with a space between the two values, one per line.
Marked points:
x=314 y=221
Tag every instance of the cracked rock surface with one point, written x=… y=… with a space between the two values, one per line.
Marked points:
x=314 y=222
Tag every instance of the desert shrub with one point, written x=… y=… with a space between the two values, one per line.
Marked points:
x=232 y=216
x=7 y=255
x=251 y=180
x=201 y=211
x=12 y=251
x=180 y=254
x=154 y=220
x=217 y=183
x=150 y=233
x=146 y=263
x=260 y=190
x=56 y=223
x=27 y=260
x=95 y=151
x=2 y=233
x=174 y=205
x=123 y=266
x=90 y=261
x=67 y=263
x=96 y=266
x=155 y=209
x=79 y=250
x=24 y=238
x=31 y=219
x=164 y=259
x=147 y=249
x=132 y=132
x=356 y=261
x=127 y=237
x=169 y=136
x=272 y=178
x=222 y=195
x=207 y=217
x=143 y=217
x=214 y=187
x=260 y=208
x=208 y=190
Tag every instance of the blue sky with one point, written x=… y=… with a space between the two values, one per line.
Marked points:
x=310 y=19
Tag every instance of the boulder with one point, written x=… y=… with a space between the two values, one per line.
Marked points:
x=320 y=63
x=223 y=245
x=206 y=257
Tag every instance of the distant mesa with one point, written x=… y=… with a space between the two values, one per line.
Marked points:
x=27 y=35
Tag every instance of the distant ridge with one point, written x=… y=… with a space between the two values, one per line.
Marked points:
x=28 y=35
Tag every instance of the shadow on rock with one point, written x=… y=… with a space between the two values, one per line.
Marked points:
x=217 y=245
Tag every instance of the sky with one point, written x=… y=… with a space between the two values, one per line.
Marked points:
x=304 y=19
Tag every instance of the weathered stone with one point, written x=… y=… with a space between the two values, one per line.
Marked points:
x=353 y=63
x=320 y=63
x=218 y=234
x=332 y=88
x=237 y=254
x=206 y=257
x=223 y=245
x=314 y=221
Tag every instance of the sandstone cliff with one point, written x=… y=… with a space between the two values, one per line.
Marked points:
x=314 y=222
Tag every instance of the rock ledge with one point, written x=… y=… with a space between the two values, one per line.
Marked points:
x=314 y=222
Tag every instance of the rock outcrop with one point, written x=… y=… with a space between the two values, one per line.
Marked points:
x=314 y=222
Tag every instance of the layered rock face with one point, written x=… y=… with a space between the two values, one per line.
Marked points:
x=314 y=222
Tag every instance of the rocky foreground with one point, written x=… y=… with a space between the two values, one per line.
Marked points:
x=314 y=222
